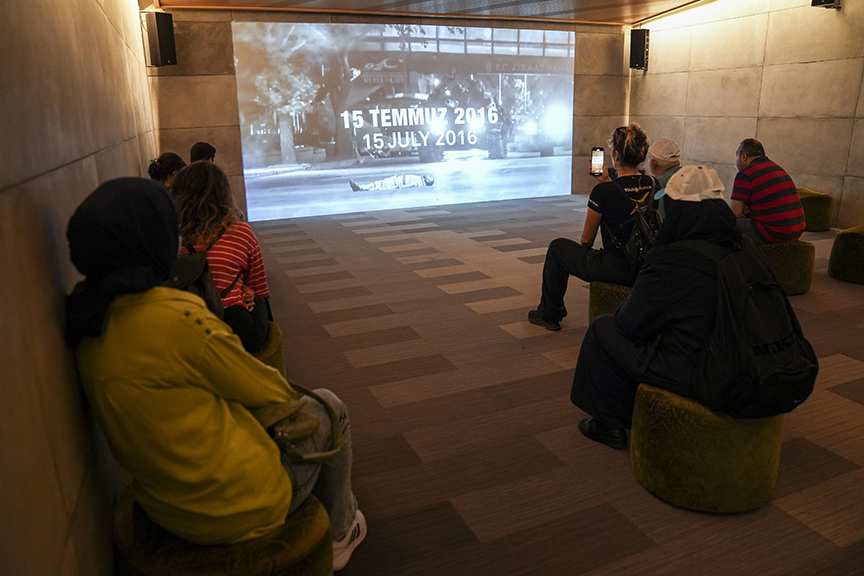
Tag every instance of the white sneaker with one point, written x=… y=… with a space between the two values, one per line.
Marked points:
x=343 y=548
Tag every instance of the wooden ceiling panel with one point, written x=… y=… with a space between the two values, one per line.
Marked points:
x=627 y=12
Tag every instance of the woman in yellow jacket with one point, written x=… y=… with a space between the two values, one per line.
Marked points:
x=172 y=386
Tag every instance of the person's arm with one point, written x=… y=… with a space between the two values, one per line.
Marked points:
x=227 y=370
x=741 y=190
x=256 y=278
x=589 y=230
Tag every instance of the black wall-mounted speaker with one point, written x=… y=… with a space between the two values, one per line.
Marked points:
x=639 y=49
x=160 y=37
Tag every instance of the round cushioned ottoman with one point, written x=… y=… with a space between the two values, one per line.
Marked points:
x=817 y=209
x=700 y=460
x=301 y=547
x=847 y=256
x=792 y=264
x=604 y=298
x=272 y=353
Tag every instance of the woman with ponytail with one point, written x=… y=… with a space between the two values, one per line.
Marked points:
x=164 y=168
x=611 y=212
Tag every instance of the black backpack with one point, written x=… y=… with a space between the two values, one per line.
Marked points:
x=757 y=362
x=646 y=226
x=192 y=273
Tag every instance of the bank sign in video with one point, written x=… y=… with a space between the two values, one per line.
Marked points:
x=343 y=118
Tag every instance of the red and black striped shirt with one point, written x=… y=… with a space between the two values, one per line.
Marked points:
x=772 y=199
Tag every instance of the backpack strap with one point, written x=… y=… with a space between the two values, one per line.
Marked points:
x=230 y=286
x=191 y=250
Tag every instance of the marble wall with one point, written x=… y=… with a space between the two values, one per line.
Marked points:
x=196 y=100
x=780 y=71
x=600 y=96
x=75 y=110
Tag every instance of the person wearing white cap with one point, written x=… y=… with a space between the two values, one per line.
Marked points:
x=669 y=315
x=664 y=161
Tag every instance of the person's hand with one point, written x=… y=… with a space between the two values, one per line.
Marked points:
x=604 y=177
x=249 y=297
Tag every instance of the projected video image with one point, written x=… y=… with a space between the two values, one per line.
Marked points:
x=341 y=118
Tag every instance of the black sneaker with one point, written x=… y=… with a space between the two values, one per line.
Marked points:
x=534 y=317
x=354 y=186
x=613 y=437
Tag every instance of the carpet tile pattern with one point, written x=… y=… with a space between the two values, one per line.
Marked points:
x=468 y=459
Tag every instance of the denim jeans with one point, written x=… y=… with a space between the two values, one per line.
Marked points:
x=329 y=481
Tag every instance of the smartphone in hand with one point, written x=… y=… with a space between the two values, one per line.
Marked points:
x=598 y=156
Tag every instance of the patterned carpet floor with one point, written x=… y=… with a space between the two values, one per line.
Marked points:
x=467 y=456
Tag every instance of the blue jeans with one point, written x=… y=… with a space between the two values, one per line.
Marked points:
x=329 y=481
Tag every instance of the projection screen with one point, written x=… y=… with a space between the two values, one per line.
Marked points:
x=341 y=118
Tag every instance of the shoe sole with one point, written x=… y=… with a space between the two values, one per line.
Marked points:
x=543 y=324
x=617 y=444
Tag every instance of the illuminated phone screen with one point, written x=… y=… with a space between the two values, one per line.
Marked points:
x=597 y=160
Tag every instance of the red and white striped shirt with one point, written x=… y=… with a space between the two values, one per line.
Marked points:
x=237 y=250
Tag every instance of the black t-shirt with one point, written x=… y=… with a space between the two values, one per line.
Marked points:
x=617 y=211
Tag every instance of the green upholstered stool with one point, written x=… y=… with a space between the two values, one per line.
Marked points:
x=847 y=256
x=792 y=264
x=701 y=460
x=817 y=209
x=301 y=547
x=604 y=298
x=272 y=353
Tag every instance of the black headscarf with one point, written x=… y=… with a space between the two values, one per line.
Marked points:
x=710 y=220
x=123 y=238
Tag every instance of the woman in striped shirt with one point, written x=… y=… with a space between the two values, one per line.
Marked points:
x=212 y=223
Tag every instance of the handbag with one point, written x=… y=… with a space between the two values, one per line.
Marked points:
x=289 y=425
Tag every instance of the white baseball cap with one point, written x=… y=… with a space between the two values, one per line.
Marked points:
x=665 y=150
x=694 y=184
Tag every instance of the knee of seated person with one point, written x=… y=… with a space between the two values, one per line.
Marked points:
x=558 y=243
x=333 y=401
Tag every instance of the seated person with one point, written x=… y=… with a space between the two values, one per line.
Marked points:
x=669 y=315
x=202 y=151
x=165 y=168
x=213 y=224
x=764 y=198
x=664 y=160
x=172 y=387
x=610 y=210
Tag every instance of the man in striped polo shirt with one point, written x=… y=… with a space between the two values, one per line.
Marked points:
x=764 y=197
